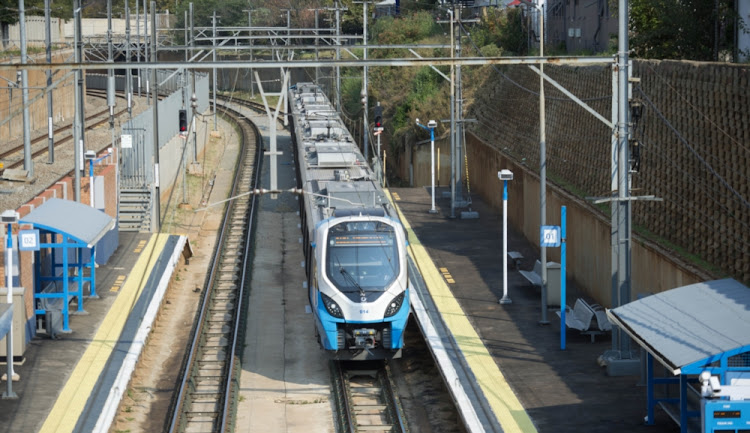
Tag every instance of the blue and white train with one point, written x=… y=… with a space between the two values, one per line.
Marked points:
x=355 y=245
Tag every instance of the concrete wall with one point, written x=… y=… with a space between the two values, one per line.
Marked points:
x=588 y=237
x=694 y=137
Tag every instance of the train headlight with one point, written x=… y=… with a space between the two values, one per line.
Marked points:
x=332 y=307
x=394 y=305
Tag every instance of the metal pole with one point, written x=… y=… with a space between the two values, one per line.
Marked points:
x=146 y=48
x=453 y=122
x=138 y=51
x=250 y=33
x=28 y=164
x=563 y=264
x=110 y=75
x=505 y=299
x=623 y=226
x=338 y=57
x=213 y=45
x=193 y=104
x=364 y=82
x=542 y=167
x=157 y=198
x=9 y=339
x=50 y=112
x=432 y=168
x=317 y=68
x=128 y=72
x=77 y=130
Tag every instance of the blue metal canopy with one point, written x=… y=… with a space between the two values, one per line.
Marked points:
x=59 y=276
x=79 y=222
x=690 y=329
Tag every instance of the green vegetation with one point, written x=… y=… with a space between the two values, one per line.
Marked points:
x=682 y=29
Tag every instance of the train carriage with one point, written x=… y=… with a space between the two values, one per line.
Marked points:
x=355 y=246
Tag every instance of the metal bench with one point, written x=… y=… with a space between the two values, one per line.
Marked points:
x=516 y=258
x=535 y=275
x=588 y=319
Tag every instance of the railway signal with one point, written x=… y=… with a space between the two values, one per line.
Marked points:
x=378 y=118
x=183 y=120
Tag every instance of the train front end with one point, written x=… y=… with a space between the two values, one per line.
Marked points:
x=361 y=300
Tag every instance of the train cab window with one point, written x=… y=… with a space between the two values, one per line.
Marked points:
x=362 y=256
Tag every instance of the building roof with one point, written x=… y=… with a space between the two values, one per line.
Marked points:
x=690 y=327
x=82 y=223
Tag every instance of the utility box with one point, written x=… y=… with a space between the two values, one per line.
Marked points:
x=553 y=284
x=19 y=323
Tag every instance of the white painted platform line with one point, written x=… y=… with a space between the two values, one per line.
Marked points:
x=502 y=400
x=134 y=352
x=465 y=408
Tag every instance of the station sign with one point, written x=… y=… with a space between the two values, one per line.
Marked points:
x=549 y=236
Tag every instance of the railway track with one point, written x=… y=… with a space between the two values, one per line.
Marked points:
x=14 y=157
x=365 y=398
x=204 y=401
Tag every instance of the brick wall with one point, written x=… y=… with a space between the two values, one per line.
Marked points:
x=695 y=148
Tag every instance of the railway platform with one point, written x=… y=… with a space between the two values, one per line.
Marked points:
x=514 y=359
x=67 y=384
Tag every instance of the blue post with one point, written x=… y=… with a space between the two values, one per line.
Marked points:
x=563 y=249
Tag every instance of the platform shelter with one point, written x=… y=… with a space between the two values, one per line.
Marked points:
x=688 y=330
x=66 y=261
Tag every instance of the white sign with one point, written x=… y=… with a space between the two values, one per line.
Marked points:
x=28 y=240
x=550 y=236
x=126 y=141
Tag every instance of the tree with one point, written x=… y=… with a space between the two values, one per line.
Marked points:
x=681 y=29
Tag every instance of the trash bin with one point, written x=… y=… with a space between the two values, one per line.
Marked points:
x=553 y=284
x=19 y=323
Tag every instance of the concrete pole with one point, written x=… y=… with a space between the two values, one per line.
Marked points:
x=28 y=163
x=317 y=68
x=50 y=112
x=157 y=199
x=77 y=121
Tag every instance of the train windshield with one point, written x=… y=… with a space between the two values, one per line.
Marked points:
x=362 y=256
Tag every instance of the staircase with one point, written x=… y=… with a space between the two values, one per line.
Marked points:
x=135 y=210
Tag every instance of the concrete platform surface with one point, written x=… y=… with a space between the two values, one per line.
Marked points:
x=561 y=391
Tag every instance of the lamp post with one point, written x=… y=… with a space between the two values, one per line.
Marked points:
x=505 y=175
x=9 y=217
x=431 y=127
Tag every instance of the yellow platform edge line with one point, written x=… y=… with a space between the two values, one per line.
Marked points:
x=503 y=401
x=72 y=399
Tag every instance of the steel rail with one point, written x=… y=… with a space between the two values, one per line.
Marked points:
x=353 y=414
x=180 y=415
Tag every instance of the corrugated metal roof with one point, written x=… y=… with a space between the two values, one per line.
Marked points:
x=83 y=223
x=691 y=323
